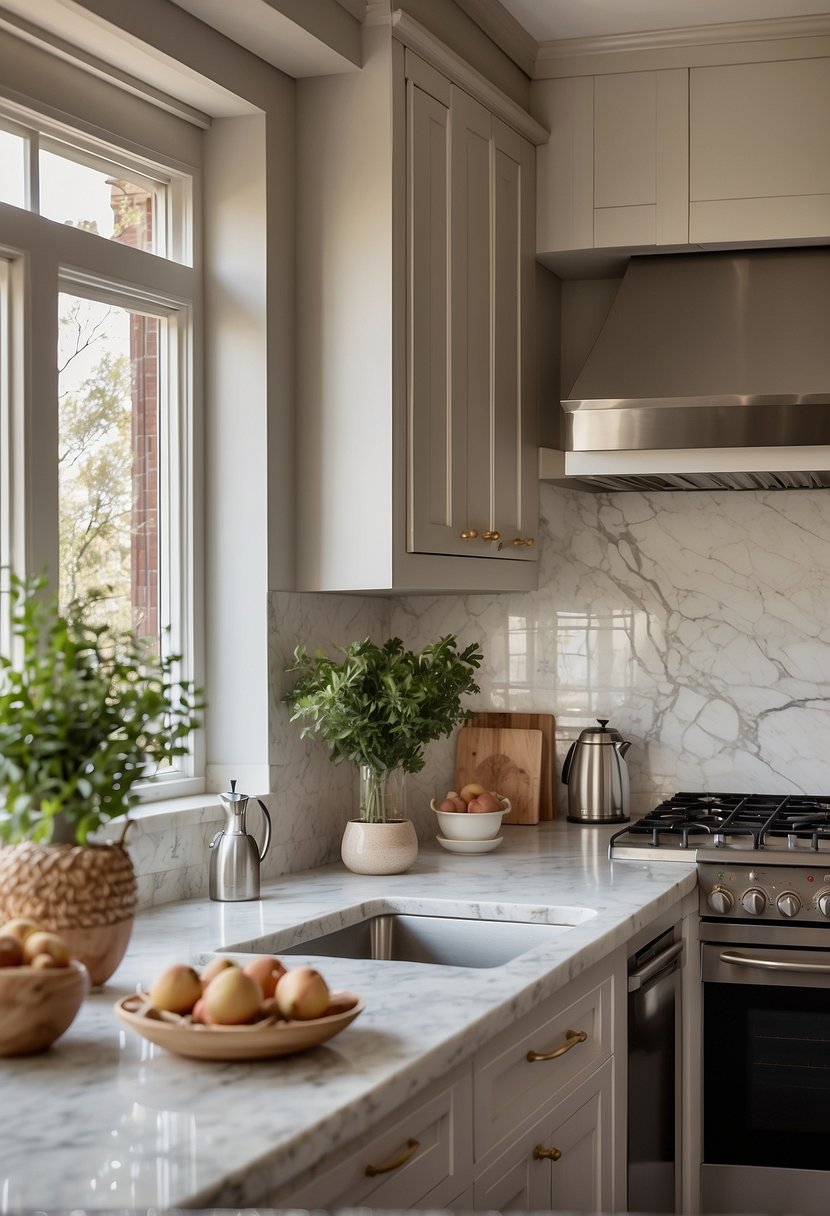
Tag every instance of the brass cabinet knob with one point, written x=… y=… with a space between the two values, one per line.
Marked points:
x=471 y=534
x=491 y=536
x=523 y=541
x=405 y=1155
x=546 y=1154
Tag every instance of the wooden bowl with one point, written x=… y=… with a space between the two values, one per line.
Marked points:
x=36 y=1007
x=260 y=1041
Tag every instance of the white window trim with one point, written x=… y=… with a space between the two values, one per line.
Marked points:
x=39 y=252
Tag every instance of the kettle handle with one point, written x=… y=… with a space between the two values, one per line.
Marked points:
x=266 y=842
x=566 y=767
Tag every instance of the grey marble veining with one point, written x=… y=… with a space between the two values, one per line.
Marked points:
x=106 y=1120
x=698 y=623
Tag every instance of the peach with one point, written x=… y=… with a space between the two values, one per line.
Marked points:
x=267 y=971
x=448 y=805
x=214 y=967
x=484 y=804
x=472 y=790
x=11 y=952
x=43 y=962
x=231 y=998
x=21 y=927
x=177 y=989
x=42 y=942
x=302 y=993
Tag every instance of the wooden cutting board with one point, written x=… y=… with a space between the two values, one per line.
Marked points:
x=509 y=761
x=546 y=723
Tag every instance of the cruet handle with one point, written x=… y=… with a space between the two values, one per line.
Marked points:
x=266 y=842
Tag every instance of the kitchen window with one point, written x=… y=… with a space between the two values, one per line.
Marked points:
x=100 y=310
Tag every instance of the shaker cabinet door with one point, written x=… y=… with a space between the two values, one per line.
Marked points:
x=472 y=489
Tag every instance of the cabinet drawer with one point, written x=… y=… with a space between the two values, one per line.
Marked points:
x=511 y=1088
x=432 y=1142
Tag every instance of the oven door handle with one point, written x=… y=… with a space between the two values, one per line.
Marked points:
x=653 y=967
x=773 y=964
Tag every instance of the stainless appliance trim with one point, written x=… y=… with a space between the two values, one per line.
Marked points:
x=773 y=964
x=653 y=968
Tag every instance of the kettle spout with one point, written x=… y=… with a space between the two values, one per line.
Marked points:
x=622 y=747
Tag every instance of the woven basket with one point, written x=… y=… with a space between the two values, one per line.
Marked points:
x=87 y=893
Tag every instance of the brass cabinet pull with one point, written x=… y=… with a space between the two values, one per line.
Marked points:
x=546 y=1154
x=521 y=541
x=572 y=1037
x=471 y=534
x=407 y=1154
x=491 y=536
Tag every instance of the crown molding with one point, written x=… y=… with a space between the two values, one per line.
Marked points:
x=420 y=40
x=502 y=28
x=774 y=29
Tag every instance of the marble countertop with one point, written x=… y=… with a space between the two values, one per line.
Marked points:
x=106 y=1120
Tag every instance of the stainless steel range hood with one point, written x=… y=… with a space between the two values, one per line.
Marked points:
x=712 y=371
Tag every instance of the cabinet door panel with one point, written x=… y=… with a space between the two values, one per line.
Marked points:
x=759 y=130
x=514 y=511
x=581 y=1131
x=471 y=350
x=435 y=494
x=625 y=128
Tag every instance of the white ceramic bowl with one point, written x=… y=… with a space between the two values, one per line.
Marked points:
x=462 y=825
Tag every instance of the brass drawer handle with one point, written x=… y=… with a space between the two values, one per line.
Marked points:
x=572 y=1037
x=491 y=536
x=546 y=1154
x=469 y=535
x=523 y=541
x=408 y=1153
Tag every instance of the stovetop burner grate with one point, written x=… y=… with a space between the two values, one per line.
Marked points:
x=745 y=821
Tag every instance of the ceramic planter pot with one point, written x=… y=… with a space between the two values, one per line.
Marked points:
x=86 y=893
x=379 y=848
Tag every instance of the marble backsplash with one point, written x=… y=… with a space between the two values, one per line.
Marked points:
x=698 y=623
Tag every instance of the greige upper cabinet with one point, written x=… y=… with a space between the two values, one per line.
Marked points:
x=416 y=429
x=760 y=151
x=471 y=453
x=615 y=173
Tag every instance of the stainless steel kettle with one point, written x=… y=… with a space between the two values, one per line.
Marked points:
x=596 y=775
x=236 y=856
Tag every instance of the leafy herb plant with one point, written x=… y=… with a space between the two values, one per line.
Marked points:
x=86 y=712
x=381 y=705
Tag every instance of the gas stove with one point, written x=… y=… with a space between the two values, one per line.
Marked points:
x=760 y=857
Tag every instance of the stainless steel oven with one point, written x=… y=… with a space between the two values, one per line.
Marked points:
x=766 y=1066
x=763 y=863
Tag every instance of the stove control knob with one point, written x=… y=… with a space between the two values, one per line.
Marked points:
x=824 y=903
x=789 y=904
x=721 y=900
x=754 y=901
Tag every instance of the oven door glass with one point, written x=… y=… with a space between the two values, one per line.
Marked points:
x=767 y=1074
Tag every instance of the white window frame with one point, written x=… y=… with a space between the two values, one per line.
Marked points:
x=42 y=258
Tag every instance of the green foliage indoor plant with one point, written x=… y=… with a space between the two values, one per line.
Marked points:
x=86 y=712
x=380 y=706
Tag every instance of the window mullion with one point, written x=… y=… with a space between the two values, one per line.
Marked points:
x=32 y=188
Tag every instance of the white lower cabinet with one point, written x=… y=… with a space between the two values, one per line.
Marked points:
x=532 y=1122
x=422 y=1159
x=563 y=1162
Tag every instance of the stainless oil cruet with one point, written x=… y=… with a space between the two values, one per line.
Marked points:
x=236 y=856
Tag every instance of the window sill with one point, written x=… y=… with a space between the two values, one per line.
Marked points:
x=154 y=817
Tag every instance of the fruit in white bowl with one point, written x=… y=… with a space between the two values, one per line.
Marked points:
x=476 y=823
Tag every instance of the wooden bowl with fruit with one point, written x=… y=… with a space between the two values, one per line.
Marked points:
x=472 y=813
x=230 y=1012
x=41 y=988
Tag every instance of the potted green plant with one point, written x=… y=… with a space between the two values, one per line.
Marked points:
x=378 y=709
x=86 y=712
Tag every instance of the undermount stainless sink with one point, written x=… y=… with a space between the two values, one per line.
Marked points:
x=448 y=941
